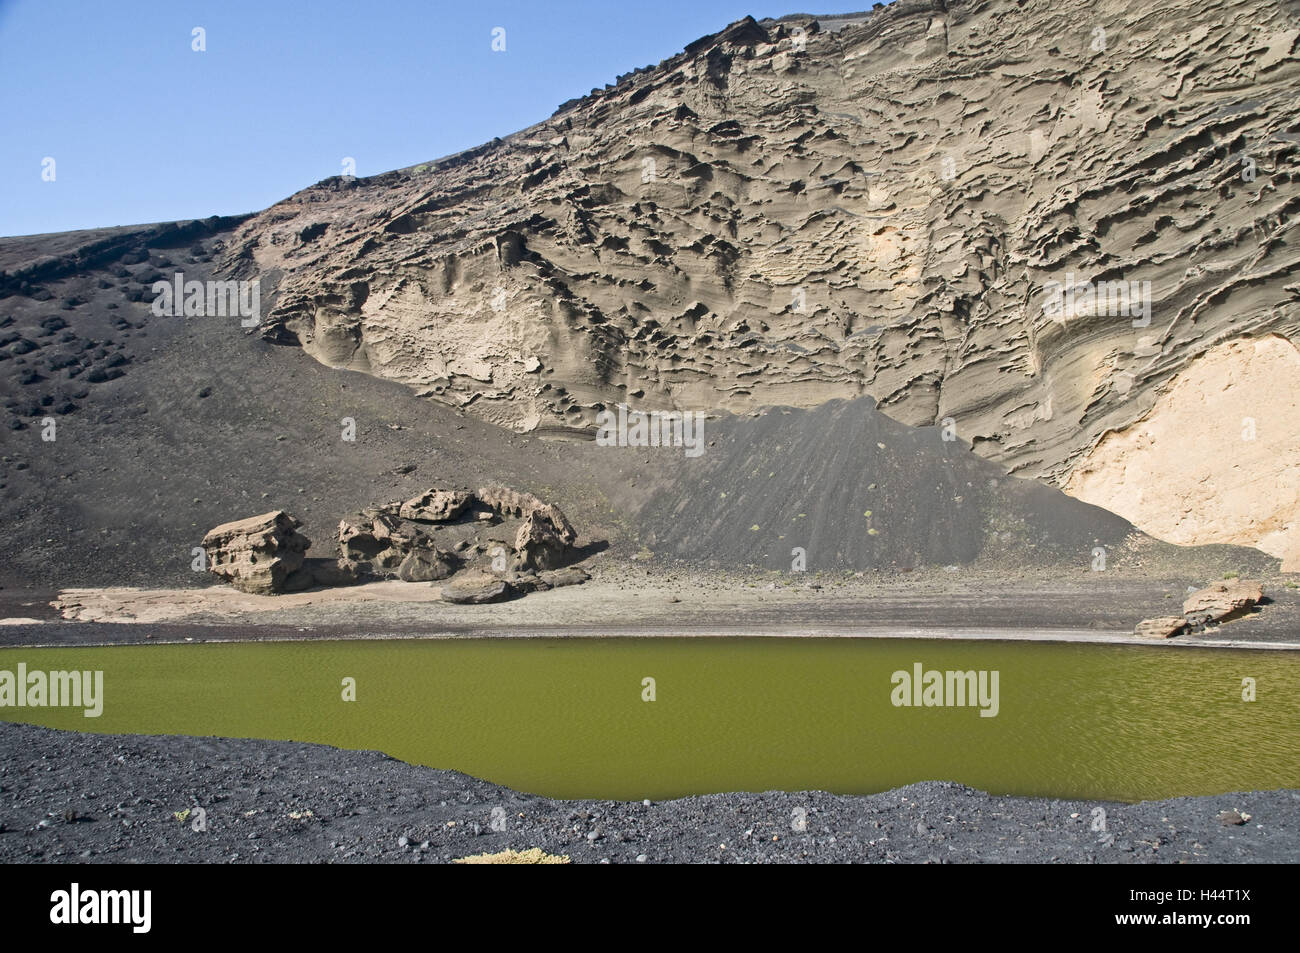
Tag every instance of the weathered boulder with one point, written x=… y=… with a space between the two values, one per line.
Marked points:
x=366 y=544
x=527 y=582
x=558 y=522
x=1162 y=627
x=542 y=541
x=477 y=589
x=257 y=554
x=378 y=545
x=318 y=572
x=426 y=565
x=571 y=576
x=1222 y=601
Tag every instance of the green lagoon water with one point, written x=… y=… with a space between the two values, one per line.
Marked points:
x=565 y=717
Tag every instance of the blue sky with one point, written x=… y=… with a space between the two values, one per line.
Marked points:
x=142 y=128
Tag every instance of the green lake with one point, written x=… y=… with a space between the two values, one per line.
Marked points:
x=567 y=718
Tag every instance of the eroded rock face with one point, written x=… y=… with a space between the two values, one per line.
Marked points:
x=508 y=502
x=872 y=204
x=545 y=538
x=1241 y=398
x=257 y=554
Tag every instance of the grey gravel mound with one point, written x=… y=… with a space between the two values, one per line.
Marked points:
x=79 y=798
x=854 y=489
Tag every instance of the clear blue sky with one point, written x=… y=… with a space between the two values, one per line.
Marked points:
x=144 y=129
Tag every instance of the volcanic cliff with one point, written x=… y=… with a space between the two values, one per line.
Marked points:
x=794 y=211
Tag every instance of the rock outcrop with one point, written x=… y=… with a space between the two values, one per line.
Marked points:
x=495 y=535
x=1222 y=601
x=1163 y=627
x=477 y=589
x=431 y=536
x=257 y=554
x=377 y=544
x=508 y=544
x=1216 y=603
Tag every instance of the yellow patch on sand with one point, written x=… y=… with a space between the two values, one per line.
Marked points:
x=534 y=855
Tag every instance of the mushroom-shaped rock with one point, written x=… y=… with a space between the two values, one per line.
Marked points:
x=256 y=554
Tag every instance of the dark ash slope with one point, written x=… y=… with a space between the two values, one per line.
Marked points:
x=74 y=798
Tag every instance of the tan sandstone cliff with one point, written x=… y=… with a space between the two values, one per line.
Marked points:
x=793 y=211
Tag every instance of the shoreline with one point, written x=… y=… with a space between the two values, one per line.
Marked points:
x=120 y=798
x=619 y=602
x=201 y=635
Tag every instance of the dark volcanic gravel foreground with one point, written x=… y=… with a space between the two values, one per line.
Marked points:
x=76 y=798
